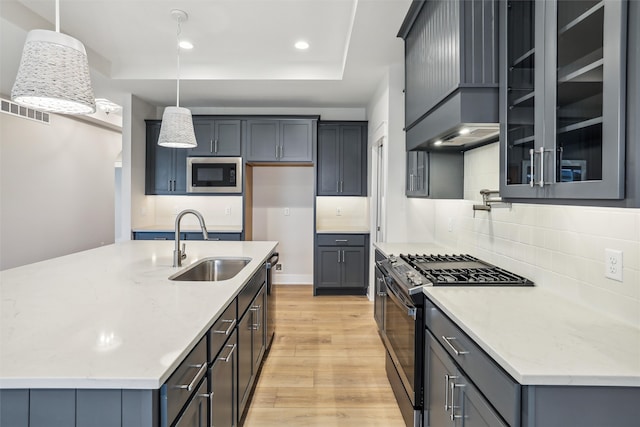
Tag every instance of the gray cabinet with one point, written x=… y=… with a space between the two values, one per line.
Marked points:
x=452 y=400
x=166 y=168
x=563 y=99
x=188 y=235
x=251 y=337
x=438 y=175
x=451 y=71
x=216 y=137
x=272 y=140
x=342 y=159
x=341 y=264
x=380 y=295
x=224 y=387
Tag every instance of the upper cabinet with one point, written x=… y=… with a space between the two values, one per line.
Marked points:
x=166 y=168
x=290 y=140
x=437 y=175
x=451 y=74
x=216 y=137
x=563 y=99
x=342 y=159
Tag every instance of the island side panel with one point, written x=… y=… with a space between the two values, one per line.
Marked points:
x=14 y=408
x=99 y=408
x=140 y=408
x=52 y=408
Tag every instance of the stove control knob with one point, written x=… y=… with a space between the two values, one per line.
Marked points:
x=393 y=259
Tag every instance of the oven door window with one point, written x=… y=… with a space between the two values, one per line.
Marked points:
x=400 y=330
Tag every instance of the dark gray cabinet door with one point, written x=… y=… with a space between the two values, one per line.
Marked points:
x=258 y=308
x=353 y=267
x=353 y=161
x=245 y=360
x=263 y=140
x=328 y=160
x=227 y=138
x=196 y=413
x=342 y=159
x=216 y=137
x=379 y=298
x=329 y=274
x=280 y=140
x=417 y=180
x=296 y=141
x=166 y=168
x=563 y=96
x=224 y=385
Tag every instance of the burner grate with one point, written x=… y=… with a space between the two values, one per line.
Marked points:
x=462 y=270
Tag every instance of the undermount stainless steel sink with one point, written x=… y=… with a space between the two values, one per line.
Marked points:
x=211 y=270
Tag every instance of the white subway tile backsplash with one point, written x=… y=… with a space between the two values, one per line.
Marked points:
x=558 y=247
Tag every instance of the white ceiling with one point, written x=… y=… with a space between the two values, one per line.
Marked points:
x=243 y=56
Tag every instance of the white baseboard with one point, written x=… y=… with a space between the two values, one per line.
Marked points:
x=292 y=279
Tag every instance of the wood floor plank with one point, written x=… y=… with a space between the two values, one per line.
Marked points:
x=325 y=367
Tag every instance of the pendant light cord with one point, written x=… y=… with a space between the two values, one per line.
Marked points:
x=178 y=79
x=57 y=16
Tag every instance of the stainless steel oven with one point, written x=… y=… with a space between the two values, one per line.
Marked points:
x=403 y=338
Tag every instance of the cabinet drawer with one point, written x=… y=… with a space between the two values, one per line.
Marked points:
x=197 y=235
x=221 y=330
x=249 y=292
x=183 y=383
x=154 y=235
x=341 y=239
x=498 y=387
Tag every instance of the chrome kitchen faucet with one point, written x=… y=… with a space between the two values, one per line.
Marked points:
x=180 y=254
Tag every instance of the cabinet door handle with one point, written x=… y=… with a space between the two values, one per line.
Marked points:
x=215 y=146
x=202 y=368
x=343 y=256
x=256 y=309
x=337 y=186
x=532 y=168
x=276 y=151
x=281 y=151
x=342 y=240
x=159 y=238
x=410 y=182
x=168 y=185
x=228 y=356
x=447 y=378
x=338 y=257
x=453 y=415
x=211 y=145
x=455 y=350
x=229 y=329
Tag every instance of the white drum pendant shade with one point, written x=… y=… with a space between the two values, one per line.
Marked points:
x=54 y=75
x=176 y=130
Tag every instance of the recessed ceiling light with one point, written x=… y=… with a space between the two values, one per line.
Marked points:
x=184 y=44
x=438 y=142
x=302 y=45
x=465 y=131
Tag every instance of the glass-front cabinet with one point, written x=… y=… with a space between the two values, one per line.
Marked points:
x=562 y=99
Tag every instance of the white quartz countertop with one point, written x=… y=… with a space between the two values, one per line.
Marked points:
x=109 y=317
x=537 y=336
x=184 y=228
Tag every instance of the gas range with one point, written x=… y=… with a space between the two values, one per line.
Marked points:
x=416 y=271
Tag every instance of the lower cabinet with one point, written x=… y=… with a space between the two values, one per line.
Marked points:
x=341 y=264
x=251 y=343
x=224 y=385
x=197 y=411
x=452 y=399
x=186 y=235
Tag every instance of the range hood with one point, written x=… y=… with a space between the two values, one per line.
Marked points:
x=451 y=74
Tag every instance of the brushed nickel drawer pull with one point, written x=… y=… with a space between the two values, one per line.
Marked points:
x=202 y=369
x=229 y=329
x=455 y=350
x=342 y=240
x=226 y=359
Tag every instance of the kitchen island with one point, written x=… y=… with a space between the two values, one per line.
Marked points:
x=567 y=364
x=109 y=318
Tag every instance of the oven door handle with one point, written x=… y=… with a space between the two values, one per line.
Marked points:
x=393 y=293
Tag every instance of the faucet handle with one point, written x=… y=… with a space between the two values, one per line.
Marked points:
x=183 y=253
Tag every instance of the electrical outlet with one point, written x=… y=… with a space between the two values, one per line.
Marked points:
x=227 y=210
x=287 y=212
x=613 y=264
x=338 y=211
x=278 y=267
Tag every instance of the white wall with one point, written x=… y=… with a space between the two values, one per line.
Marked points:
x=277 y=188
x=406 y=220
x=558 y=247
x=56 y=188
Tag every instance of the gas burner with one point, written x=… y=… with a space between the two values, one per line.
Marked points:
x=462 y=270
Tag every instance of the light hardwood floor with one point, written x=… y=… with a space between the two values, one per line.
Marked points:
x=325 y=367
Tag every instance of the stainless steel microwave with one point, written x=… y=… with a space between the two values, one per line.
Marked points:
x=214 y=174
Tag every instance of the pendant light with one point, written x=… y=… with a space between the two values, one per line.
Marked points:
x=176 y=130
x=54 y=73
